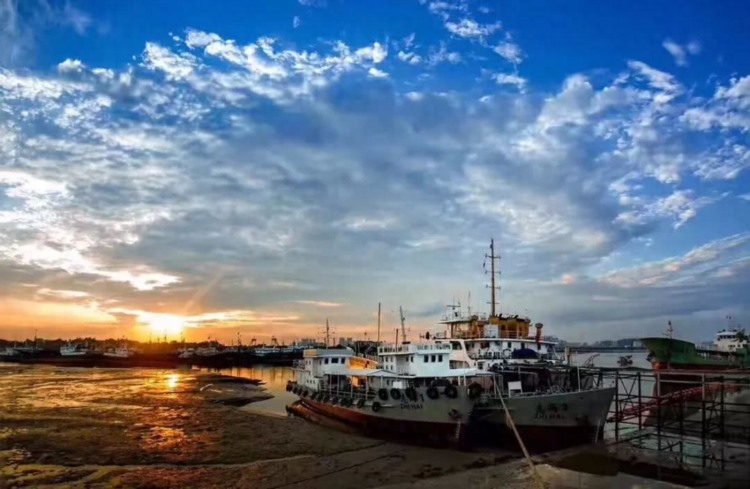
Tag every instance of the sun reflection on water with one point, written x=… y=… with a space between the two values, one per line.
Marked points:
x=172 y=380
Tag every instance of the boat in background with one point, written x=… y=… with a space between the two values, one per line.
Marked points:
x=76 y=350
x=730 y=351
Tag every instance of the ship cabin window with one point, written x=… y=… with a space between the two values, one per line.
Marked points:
x=456 y=345
x=538 y=347
x=433 y=358
x=426 y=358
x=326 y=361
x=509 y=344
x=440 y=358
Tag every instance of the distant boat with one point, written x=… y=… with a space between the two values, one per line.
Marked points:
x=76 y=350
x=120 y=352
x=625 y=361
x=729 y=351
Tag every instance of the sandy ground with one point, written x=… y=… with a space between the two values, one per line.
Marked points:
x=168 y=429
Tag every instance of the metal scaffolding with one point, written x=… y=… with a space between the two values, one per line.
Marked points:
x=695 y=420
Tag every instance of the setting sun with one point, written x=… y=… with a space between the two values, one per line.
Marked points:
x=164 y=324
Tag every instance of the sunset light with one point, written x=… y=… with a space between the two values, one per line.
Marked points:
x=163 y=324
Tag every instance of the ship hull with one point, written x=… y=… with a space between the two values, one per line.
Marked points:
x=546 y=422
x=365 y=422
x=420 y=420
x=674 y=354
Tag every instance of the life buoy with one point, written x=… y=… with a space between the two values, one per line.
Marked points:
x=451 y=391
x=326 y=398
x=303 y=393
x=395 y=394
x=295 y=390
x=376 y=406
x=288 y=387
x=334 y=400
x=432 y=392
x=454 y=414
x=383 y=394
x=475 y=390
x=360 y=403
x=507 y=353
x=411 y=393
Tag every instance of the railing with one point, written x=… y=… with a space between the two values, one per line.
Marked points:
x=414 y=348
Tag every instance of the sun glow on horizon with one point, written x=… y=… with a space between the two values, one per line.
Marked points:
x=163 y=324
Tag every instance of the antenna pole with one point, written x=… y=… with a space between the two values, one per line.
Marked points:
x=378 y=323
x=469 y=302
x=328 y=332
x=494 y=288
x=403 y=329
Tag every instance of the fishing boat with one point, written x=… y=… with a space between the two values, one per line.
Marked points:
x=412 y=392
x=408 y=390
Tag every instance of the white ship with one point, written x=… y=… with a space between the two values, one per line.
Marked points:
x=76 y=350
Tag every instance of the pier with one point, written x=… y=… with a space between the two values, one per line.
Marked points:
x=691 y=422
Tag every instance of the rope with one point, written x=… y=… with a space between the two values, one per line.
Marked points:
x=534 y=473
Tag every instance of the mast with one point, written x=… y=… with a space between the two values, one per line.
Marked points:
x=328 y=332
x=403 y=328
x=493 y=287
x=378 y=323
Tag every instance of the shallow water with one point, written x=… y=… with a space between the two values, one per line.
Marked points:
x=274 y=380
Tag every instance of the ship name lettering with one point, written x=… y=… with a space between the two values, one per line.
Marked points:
x=411 y=405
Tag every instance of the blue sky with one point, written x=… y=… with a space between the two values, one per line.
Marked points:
x=264 y=165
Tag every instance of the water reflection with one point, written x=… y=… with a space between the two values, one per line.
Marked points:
x=274 y=378
x=172 y=380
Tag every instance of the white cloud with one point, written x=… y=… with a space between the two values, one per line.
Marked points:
x=510 y=79
x=680 y=52
x=323 y=304
x=376 y=73
x=377 y=53
x=509 y=51
x=411 y=58
x=175 y=66
x=657 y=79
x=70 y=66
x=671 y=269
x=680 y=206
x=63 y=294
x=296 y=22
x=442 y=55
x=469 y=28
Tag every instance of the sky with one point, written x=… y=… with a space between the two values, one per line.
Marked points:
x=208 y=169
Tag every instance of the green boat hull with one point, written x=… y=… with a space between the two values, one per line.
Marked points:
x=671 y=353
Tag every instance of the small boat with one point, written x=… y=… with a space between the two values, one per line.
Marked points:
x=625 y=361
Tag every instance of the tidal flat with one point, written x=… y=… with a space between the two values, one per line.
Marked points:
x=139 y=428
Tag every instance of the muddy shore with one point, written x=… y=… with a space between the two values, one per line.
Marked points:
x=168 y=429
